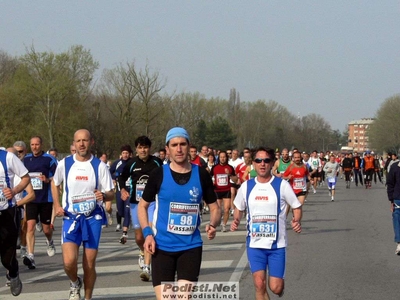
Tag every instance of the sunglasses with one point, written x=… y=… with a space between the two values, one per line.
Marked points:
x=228 y=152
x=265 y=160
x=20 y=151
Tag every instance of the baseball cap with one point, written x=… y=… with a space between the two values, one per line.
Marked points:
x=367 y=152
x=176 y=132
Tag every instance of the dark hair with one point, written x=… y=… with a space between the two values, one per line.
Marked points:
x=126 y=148
x=270 y=152
x=222 y=151
x=53 y=149
x=162 y=150
x=193 y=147
x=143 y=140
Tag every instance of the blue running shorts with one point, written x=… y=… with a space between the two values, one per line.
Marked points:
x=134 y=214
x=273 y=259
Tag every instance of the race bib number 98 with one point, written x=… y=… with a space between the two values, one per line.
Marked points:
x=182 y=218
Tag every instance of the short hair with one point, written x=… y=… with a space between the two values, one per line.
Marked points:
x=38 y=137
x=269 y=151
x=126 y=148
x=193 y=147
x=162 y=150
x=142 y=140
x=19 y=144
x=222 y=151
x=53 y=149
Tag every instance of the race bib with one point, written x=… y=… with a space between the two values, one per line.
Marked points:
x=37 y=184
x=182 y=218
x=222 y=179
x=3 y=199
x=139 y=191
x=331 y=179
x=84 y=203
x=263 y=226
x=299 y=183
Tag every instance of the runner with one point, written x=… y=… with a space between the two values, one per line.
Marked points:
x=266 y=199
x=137 y=171
x=222 y=172
x=11 y=167
x=174 y=238
x=331 y=169
x=297 y=174
x=41 y=167
x=281 y=164
x=123 y=207
x=86 y=183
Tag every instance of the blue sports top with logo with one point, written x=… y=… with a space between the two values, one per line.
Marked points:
x=177 y=213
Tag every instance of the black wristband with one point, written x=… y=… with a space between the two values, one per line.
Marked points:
x=211 y=225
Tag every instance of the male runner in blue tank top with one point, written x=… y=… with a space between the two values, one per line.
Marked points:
x=174 y=239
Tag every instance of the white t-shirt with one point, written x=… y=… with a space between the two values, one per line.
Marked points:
x=15 y=169
x=81 y=180
x=315 y=163
x=265 y=226
x=234 y=164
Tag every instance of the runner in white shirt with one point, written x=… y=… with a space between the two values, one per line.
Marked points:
x=87 y=183
x=266 y=198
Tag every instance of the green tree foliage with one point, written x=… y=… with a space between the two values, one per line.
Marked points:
x=200 y=134
x=54 y=87
x=220 y=134
x=385 y=134
x=50 y=94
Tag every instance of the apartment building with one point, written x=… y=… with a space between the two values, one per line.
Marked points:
x=358 y=134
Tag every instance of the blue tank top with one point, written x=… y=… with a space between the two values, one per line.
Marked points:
x=176 y=217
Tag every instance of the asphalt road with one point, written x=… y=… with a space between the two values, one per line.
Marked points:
x=346 y=251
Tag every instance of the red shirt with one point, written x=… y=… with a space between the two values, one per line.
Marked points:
x=196 y=161
x=240 y=169
x=299 y=179
x=221 y=179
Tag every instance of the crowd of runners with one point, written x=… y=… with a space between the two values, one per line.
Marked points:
x=160 y=196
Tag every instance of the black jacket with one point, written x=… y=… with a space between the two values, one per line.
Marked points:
x=393 y=183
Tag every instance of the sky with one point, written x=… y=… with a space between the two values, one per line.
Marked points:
x=338 y=59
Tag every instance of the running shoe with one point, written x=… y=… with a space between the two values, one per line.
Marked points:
x=23 y=252
x=109 y=219
x=332 y=199
x=75 y=291
x=118 y=228
x=29 y=262
x=51 y=249
x=15 y=286
x=39 y=227
x=123 y=238
x=231 y=212
x=8 y=280
x=141 y=260
x=223 y=228
x=145 y=275
x=398 y=249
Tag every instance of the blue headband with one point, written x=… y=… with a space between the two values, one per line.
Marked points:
x=176 y=132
